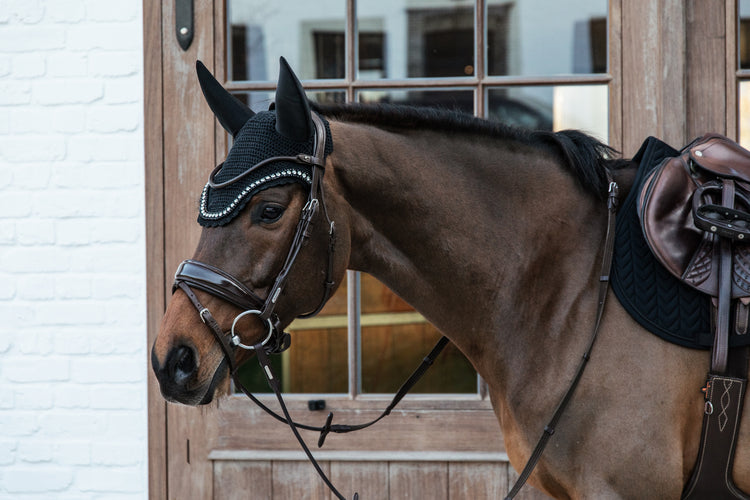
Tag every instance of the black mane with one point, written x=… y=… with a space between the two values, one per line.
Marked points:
x=585 y=157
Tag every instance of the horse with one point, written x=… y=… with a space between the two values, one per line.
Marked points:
x=495 y=234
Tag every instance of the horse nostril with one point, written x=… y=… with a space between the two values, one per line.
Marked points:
x=181 y=364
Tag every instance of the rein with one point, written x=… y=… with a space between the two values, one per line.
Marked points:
x=210 y=279
x=549 y=429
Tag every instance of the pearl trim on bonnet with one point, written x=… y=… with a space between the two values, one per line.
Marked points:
x=270 y=177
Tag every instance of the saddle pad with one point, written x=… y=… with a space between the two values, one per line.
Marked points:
x=657 y=300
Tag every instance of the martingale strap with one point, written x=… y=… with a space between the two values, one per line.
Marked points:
x=549 y=429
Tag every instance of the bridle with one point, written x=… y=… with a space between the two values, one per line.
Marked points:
x=210 y=279
x=195 y=274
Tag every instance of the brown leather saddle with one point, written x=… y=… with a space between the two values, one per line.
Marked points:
x=695 y=215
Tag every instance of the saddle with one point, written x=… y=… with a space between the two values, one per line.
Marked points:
x=694 y=210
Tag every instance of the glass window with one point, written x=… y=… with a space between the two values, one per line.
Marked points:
x=546 y=37
x=743 y=35
x=558 y=107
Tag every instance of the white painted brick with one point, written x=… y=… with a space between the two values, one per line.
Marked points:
x=16 y=38
x=114 y=369
x=8 y=451
x=34 y=451
x=4 y=65
x=64 y=12
x=65 y=64
x=15 y=205
x=31 y=176
x=118 y=286
x=117 y=341
x=12 y=93
x=67 y=119
x=72 y=452
x=35 y=342
x=67 y=91
x=25 y=148
x=36 y=369
x=71 y=424
x=15 y=312
x=116 y=397
x=36 y=232
x=7 y=292
x=28 y=65
x=105 y=147
x=125 y=453
x=128 y=423
x=123 y=90
x=70 y=232
x=35 y=287
x=46 y=479
x=107 y=479
x=108 y=36
x=114 y=63
x=96 y=10
x=85 y=203
x=32 y=397
x=7 y=398
x=18 y=423
x=33 y=259
x=68 y=312
x=71 y=396
x=25 y=11
x=73 y=286
x=113 y=118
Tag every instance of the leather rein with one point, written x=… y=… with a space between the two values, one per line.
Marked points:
x=210 y=279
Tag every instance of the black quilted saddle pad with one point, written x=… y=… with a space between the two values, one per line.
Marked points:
x=652 y=296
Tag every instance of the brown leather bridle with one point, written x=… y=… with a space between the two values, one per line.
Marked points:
x=195 y=274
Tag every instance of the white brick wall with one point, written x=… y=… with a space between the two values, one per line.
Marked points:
x=72 y=252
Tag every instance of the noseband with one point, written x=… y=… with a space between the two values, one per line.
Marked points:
x=210 y=279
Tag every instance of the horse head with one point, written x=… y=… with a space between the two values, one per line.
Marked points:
x=265 y=225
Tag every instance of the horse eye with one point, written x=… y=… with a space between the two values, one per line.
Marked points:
x=271 y=213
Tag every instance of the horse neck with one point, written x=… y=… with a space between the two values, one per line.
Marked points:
x=476 y=235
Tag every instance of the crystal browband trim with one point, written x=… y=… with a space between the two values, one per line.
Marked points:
x=248 y=189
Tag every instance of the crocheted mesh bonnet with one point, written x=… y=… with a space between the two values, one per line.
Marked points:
x=255 y=142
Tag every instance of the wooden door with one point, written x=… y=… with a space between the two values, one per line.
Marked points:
x=658 y=81
x=431 y=447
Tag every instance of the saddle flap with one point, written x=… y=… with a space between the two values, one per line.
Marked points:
x=668 y=214
x=722 y=157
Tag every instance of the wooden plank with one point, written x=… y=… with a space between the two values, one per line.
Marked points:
x=615 y=70
x=299 y=480
x=731 y=90
x=706 y=60
x=188 y=130
x=242 y=480
x=409 y=480
x=478 y=481
x=154 y=172
x=369 y=479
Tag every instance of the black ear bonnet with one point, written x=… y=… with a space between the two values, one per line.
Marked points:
x=256 y=141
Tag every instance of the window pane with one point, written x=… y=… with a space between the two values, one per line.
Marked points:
x=743 y=34
x=415 y=39
x=260 y=101
x=561 y=107
x=457 y=100
x=546 y=37
x=391 y=353
x=310 y=35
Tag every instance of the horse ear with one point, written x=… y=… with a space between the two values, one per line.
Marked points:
x=230 y=111
x=293 y=119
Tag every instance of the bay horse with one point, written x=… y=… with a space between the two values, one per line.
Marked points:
x=495 y=235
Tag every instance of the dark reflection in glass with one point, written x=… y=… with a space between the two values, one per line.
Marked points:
x=743 y=34
x=391 y=353
x=456 y=100
x=546 y=37
x=310 y=35
x=404 y=39
x=559 y=107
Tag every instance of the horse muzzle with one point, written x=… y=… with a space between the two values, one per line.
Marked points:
x=180 y=379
